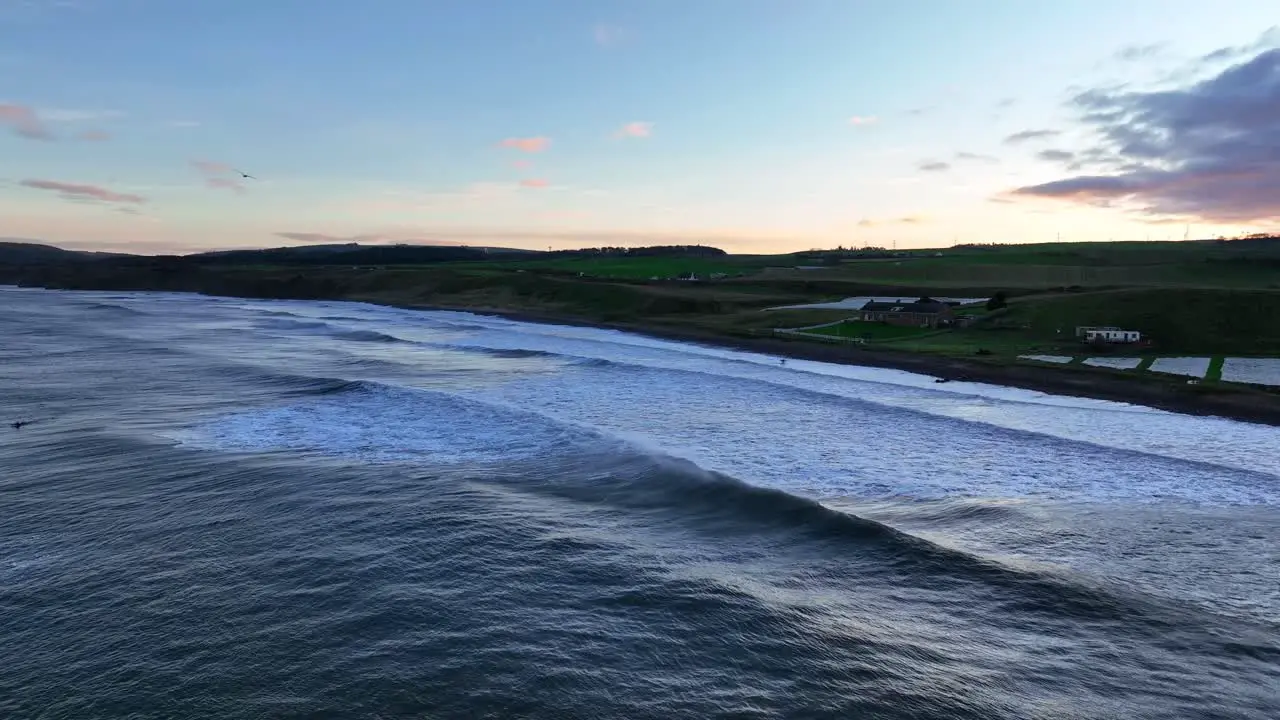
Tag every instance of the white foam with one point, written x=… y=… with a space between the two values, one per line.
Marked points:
x=388 y=424
x=814 y=428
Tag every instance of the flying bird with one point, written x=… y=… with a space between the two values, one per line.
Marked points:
x=243 y=174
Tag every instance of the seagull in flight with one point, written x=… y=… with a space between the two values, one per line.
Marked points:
x=243 y=174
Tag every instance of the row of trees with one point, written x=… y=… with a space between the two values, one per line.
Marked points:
x=651 y=251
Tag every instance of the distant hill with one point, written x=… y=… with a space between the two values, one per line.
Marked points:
x=349 y=254
x=19 y=251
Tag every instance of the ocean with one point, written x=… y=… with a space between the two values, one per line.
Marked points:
x=229 y=508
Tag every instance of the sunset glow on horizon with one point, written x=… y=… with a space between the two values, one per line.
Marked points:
x=751 y=125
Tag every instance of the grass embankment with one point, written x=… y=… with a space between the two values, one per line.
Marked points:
x=1178 y=321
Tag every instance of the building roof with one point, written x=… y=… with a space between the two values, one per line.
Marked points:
x=926 y=306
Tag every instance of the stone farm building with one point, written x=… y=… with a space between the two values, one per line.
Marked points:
x=924 y=312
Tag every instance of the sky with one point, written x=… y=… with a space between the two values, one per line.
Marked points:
x=751 y=125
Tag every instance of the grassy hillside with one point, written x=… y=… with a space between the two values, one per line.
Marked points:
x=1236 y=264
x=1178 y=321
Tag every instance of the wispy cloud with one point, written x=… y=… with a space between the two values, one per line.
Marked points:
x=219 y=176
x=94 y=135
x=606 y=35
x=208 y=167
x=1204 y=151
x=635 y=130
x=976 y=157
x=80 y=192
x=861 y=120
x=184 y=123
x=527 y=144
x=535 y=183
x=522 y=164
x=934 y=166
x=1030 y=135
x=24 y=122
x=57 y=115
x=906 y=220
x=1056 y=155
x=1133 y=53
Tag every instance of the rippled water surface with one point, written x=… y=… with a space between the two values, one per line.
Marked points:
x=247 y=509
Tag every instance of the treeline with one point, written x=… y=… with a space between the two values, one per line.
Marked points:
x=699 y=251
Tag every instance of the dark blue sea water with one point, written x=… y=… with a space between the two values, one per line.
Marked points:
x=244 y=509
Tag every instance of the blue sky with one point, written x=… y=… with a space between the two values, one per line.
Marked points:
x=750 y=124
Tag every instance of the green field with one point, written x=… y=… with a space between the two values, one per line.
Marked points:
x=871 y=331
x=1087 y=265
x=1177 y=321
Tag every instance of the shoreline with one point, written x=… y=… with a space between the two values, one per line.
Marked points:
x=1239 y=404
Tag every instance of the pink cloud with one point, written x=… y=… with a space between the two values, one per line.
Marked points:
x=535 y=183
x=24 y=122
x=220 y=183
x=635 y=129
x=212 y=168
x=76 y=191
x=521 y=164
x=94 y=136
x=529 y=144
x=219 y=176
x=860 y=120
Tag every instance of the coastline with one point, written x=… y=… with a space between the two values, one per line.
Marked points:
x=1241 y=404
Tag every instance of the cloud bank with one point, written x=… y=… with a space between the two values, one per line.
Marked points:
x=1208 y=151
